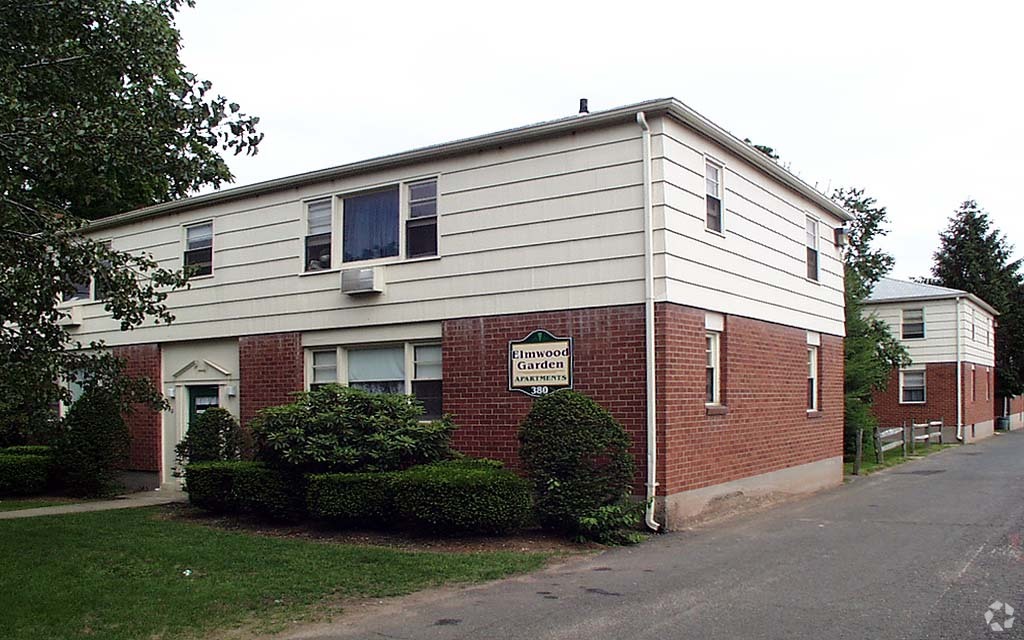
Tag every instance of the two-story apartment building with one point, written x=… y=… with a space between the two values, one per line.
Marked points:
x=642 y=255
x=950 y=337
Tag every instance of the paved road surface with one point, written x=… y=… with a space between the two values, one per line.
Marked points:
x=920 y=551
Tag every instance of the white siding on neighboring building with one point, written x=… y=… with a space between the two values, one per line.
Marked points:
x=940 y=318
x=757 y=266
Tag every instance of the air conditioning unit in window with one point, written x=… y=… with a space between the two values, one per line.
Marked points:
x=362 y=281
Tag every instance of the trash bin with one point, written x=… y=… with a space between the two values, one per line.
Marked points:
x=1003 y=423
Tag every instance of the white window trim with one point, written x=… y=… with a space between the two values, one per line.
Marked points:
x=62 y=304
x=213 y=246
x=924 y=323
x=338 y=222
x=716 y=357
x=335 y=234
x=817 y=247
x=924 y=374
x=721 y=192
x=813 y=367
x=341 y=372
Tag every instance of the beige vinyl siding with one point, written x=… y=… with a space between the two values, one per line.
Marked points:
x=939 y=342
x=544 y=225
x=976 y=350
x=549 y=224
x=757 y=267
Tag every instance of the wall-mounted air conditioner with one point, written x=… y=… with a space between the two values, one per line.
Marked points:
x=72 y=317
x=362 y=281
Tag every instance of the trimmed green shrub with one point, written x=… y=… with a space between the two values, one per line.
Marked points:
x=23 y=475
x=462 y=499
x=215 y=435
x=466 y=462
x=28 y=450
x=353 y=499
x=93 y=445
x=336 y=428
x=238 y=486
x=578 y=458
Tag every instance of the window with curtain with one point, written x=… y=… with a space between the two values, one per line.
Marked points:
x=912 y=386
x=318 y=235
x=426 y=383
x=199 y=249
x=913 y=323
x=378 y=370
x=370 y=227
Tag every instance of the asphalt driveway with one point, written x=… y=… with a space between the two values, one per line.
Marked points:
x=919 y=551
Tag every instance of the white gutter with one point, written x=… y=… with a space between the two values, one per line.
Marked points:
x=652 y=425
x=959 y=377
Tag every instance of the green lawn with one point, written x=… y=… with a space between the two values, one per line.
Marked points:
x=892 y=458
x=15 y=504
x=131 y=574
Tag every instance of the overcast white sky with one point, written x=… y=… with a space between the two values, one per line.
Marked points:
x=919 y=103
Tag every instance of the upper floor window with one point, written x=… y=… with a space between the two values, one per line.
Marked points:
x=318 y=235
x=199 y=249
x=713 y=184
x=812 y=248
x=78 y=289
x=370 y=227
x=421 y=228
x=913 y=323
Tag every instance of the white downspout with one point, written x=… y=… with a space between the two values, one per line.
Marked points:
x=959 y=378
x=652 y=425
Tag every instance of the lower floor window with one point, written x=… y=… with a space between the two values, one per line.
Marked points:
x=912 y=386
x=812 y=378
x=413 y=369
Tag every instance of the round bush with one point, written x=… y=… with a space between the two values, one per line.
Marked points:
x=23 y=475
x=93 y=445
x=215 y=435
x=352 y=499
x=448 y=498
x=577 y=457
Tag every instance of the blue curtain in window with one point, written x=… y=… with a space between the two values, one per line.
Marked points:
x=371 y=226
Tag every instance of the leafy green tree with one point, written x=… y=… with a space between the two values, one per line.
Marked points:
x=976 y=257
x=870 y=350
x=763 y=148
x=97 y=116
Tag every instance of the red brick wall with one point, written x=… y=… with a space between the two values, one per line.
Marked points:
x=144 y=424
x=1017 y=404
x=270 y=371
x=764 y=390
x=767 y=427
x=608 y=358
x=977 y=406
x=940 y=398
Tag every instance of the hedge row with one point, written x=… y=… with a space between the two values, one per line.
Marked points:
x=24 y=475
x=245 y=487
x=462 y=496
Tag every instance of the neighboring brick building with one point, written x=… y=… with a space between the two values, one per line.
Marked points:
x=949 y=334
x=479 y=274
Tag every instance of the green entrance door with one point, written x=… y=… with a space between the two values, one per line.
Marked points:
x=201 y=398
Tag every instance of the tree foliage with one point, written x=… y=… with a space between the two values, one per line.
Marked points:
x=763 y=148
x=97 y=116
x=976 y=257
x=871 y=352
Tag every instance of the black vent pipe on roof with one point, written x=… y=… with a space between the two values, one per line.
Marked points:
x=583 y=106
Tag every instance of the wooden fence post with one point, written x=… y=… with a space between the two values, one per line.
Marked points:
x=905 y=435
x=878 y=447
x=913 y=440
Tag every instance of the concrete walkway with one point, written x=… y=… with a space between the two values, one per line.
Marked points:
x=130 y=501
